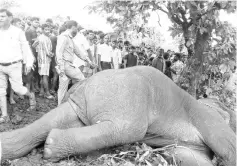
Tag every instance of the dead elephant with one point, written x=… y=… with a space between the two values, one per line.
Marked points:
x=115 y=107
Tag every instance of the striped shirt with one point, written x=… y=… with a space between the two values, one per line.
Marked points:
x=44 y=48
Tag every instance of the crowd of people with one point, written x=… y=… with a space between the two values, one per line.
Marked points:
x=48 y=58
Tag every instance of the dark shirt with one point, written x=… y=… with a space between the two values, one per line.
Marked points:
x=158 y=63
x=30 y=35
x=168 y=73
x=131 y=60
x=54 y=43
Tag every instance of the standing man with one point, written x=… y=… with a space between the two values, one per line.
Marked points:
x=159 y=62
x=116 y=55
x=83 y=45
x=44 y=50
x=104 y=54
x=87 y=71
x=53 y=38
x=65 y=51
x=131 y=59
x=33 y=77
x=14 y=48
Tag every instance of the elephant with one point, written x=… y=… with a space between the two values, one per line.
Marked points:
x=123 y=106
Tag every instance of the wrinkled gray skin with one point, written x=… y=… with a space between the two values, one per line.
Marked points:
x=137 y=104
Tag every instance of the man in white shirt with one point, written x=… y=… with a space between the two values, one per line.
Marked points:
x=14 y=49
x=116 y=55
x=83 y=44
x=105 y=54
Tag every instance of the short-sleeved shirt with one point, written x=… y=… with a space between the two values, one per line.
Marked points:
x=158 y=63
x=106 y=52
x=83 y=44
x=131 y=59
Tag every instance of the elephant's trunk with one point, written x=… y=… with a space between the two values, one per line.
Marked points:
x=20 y=142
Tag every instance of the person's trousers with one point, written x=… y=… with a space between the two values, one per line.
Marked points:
x=14 y=74
x=105 y=65
x=72 y=73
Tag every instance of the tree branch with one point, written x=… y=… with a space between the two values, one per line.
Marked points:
x=158 y=7
x=217 y=40
x=200 y=16
x=174 y=17
x=183 y=12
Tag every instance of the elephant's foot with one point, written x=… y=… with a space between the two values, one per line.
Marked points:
x=53 y=149
x=20 y=142
x=63 y=143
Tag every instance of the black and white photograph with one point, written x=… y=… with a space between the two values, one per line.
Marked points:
x=118 y=82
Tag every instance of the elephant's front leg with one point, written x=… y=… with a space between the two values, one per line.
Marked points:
x=20 y=142
x=74 y=141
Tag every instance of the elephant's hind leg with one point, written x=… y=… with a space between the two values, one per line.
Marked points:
x=18 y=143
x=217 y=135
x=63 y=143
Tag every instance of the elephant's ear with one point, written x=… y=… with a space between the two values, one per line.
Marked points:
x=72 y=90
x=228 y=115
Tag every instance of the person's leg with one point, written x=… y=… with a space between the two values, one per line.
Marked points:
x=36 y=76
x=63 y=87
x=3 y=93
x=54 y=77
x=29 y=80
x=14 y=72
x=55 y=80
x=46 y=87
x=74 y=73
x=41 y=86
x=11 y=99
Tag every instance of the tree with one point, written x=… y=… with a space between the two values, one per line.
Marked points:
x=195 y=21
x=8 y=4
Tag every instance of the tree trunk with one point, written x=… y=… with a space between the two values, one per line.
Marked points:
x=187 y=37
x=196 y=67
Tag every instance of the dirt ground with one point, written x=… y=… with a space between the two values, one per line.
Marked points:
x=127 y=155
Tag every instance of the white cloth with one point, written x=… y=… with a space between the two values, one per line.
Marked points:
x=117 y=58
x=82 y=43
x=14 y=46
x=13 y=73
x=106 y=52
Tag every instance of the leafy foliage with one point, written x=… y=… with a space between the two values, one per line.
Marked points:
x=137 y=154
x=8 y=4
x=218 y=66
